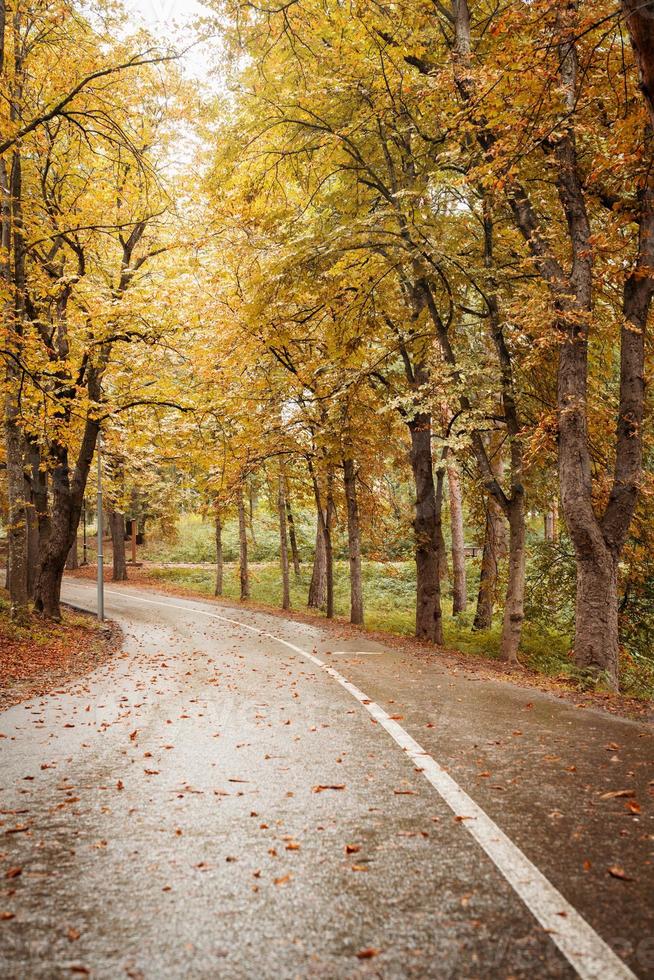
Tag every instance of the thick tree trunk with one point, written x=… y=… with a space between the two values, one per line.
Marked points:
x=459 y=587
x=243 y=547
x=12 y=271
x=318 y=586
x=219 y=554
x=596 y=616
x=38 y=517
x=515 y=590
x=283 y=545
x=18 y=518
x=354 y=543
x=72 y=561
x=32 y=539
x=291 y=533
x=117 y=528
x=639 y=15
x=60 y=528
x=429 y=622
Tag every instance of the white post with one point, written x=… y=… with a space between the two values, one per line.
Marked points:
x=99 y=522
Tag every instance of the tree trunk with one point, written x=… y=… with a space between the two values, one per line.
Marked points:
x=13 y=275
x=329 y=554
x=32 y=539
x=429 y=622
x=251 y=509
x=515 y=590
x=60 y=528
x=494 y=547
x=72 y=561
x=38 y=517
x=243 y=547
x=640 y=22
x=283 y=544
x=318 y=586
x=596 y=616
x=354 y=543
x=219 y=554
x=117 y=528
x=460 y=588
x=321 y=590
x=550 y=521
x=17 y=526
x=291 y=533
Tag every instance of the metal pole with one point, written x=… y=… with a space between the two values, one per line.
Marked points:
x=100 y=552
x=84 y=560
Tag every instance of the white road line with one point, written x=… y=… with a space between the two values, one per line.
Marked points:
x=585 y=950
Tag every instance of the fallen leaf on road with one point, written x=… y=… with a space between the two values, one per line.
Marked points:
x=617 y=872
x=360 y=867
x=352 y=848
x=321 y=789
x=73 y=934
x=120 y=784
x=615 y=794
x=6 y=916
x=13 y=872
x=404 y=792
x=368 y=954
x=282 y=881
x=632 y=806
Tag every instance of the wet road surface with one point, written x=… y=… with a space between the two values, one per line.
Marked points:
x=215 y=803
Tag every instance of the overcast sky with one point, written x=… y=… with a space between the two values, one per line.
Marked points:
x=159 y=14
x=170 y=20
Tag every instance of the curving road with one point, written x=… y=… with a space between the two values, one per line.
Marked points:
x=237 y=795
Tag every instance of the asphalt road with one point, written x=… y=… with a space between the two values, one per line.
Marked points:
x=237 y=795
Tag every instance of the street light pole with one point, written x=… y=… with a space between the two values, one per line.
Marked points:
x=99 y=522
x=84 y=552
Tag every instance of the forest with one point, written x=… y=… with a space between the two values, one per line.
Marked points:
x=354 y=295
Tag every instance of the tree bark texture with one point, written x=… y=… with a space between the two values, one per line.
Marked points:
x=243 y=547
x=429 y=618
x=117 y=529
x=291 y=533
x=494 y=549
x=218 y=525
x=354 y=542
x=72 y=561
x=459 y=581
x=283 y=544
